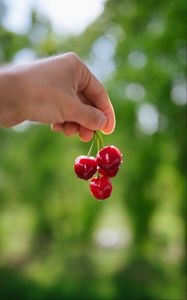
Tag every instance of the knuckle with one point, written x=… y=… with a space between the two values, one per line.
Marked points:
x=74 y=63
x=72 y=57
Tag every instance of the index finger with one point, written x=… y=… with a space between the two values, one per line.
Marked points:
x=95 y=92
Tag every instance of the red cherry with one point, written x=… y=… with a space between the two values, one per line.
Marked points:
x=108 y=173
x=85 y=166
x=109 y=158
x=100 y=187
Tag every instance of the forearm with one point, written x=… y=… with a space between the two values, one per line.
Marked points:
x=10 y=88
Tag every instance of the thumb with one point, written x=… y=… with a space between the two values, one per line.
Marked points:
x=90 y=117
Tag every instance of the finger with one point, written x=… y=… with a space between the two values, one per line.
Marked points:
x=85 y=134
x=94 y=91
x=83 y=99
x=70 y=128
x=89 y=117
x=57 y=127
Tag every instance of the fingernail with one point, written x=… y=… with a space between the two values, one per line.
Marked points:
x=102 y=122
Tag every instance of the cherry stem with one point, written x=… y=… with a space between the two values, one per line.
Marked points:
x=92 y=144
x=100 y=140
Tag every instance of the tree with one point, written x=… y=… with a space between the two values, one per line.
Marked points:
x=52 y=233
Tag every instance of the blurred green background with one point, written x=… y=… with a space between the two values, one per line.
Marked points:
x=56 y=241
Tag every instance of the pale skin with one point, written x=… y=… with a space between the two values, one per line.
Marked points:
x=60 y=91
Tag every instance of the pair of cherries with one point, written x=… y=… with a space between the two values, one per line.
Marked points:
x=106 y=163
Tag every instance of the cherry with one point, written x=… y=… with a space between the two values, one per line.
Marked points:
x=109 y=173
x=85 y=166
x=101 y=187
x=109 y=158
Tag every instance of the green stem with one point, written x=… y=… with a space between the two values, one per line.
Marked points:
x=98 y=141
x=91 y=147
x=101 y=138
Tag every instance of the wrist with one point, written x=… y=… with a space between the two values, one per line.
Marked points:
x=10 y=97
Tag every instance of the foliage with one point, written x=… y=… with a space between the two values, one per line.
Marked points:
x=56 y=242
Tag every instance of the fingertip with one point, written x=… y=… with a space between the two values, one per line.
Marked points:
x=108 y=130
x=57 y=127
x=70 y=128
x=85 y=140
x=86 y=135
x=110 y=126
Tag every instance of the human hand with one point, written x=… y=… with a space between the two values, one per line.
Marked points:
x=61 y=91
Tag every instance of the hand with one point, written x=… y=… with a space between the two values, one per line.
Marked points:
x=60 y=91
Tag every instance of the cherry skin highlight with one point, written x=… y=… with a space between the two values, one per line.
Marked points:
x=109 y=158
x=101 y=187
x=85 y=166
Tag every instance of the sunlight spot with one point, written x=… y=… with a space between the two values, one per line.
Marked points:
x=65 y=16
x=103 y=48
x=178 y=93
x=137 y=59
x=17 y=17
x=38 y=33
x=101 y=60
x=135 y=91
x=156 y=27
x=110 y=238
x=148 y=119
x=24 y=56
x=70 y=16
x=116 y=31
